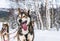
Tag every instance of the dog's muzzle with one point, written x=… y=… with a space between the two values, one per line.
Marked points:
x=23 y=24
x=20 y=20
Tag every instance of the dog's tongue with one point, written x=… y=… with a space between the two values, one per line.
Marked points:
x=24 y=26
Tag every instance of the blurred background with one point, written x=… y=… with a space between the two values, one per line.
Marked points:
x=45 y=13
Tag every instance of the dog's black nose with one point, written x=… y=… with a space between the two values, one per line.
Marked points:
x=20 y=20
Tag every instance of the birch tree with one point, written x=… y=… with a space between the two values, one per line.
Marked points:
x=47 y=16
x=39 y=15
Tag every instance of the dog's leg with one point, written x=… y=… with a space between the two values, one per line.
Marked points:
x=22 y=38
x=18 y=37
x=26 y=37
x=30 y=37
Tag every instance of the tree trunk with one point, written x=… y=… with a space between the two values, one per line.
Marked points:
x=48 y=20
x=39 y=16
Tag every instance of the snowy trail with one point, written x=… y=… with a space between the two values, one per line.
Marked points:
x=47 y=35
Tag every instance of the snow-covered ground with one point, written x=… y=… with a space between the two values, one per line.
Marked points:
x=40 y=35
x=47 y=35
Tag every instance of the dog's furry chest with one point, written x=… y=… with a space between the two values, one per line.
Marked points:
x=25 y=32
x=22 y=31
x=6 y=37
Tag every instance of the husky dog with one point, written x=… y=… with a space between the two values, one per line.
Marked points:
x=5 y=31
x=25 y=27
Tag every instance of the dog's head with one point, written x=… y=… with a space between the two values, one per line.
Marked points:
x=24 y=19
x=5 y=27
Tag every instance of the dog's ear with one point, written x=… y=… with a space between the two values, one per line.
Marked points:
x=29 y=13
x=7 y=25
x=19 y=11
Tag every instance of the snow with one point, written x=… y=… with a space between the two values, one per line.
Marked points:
x=39 y=35
x=0 y=26
x=47 y=35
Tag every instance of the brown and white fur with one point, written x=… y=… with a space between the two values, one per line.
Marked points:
x=28 y=34
x=4 y=32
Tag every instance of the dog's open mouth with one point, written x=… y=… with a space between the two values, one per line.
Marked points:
x=4 y=30
x=24 y=26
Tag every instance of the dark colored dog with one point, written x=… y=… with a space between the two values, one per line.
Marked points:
x=5 y=31
x=25 y=27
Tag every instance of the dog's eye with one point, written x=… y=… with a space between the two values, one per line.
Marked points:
x=19 y=15
x=23 y=16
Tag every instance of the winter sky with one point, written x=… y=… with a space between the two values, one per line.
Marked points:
x=6 y=3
